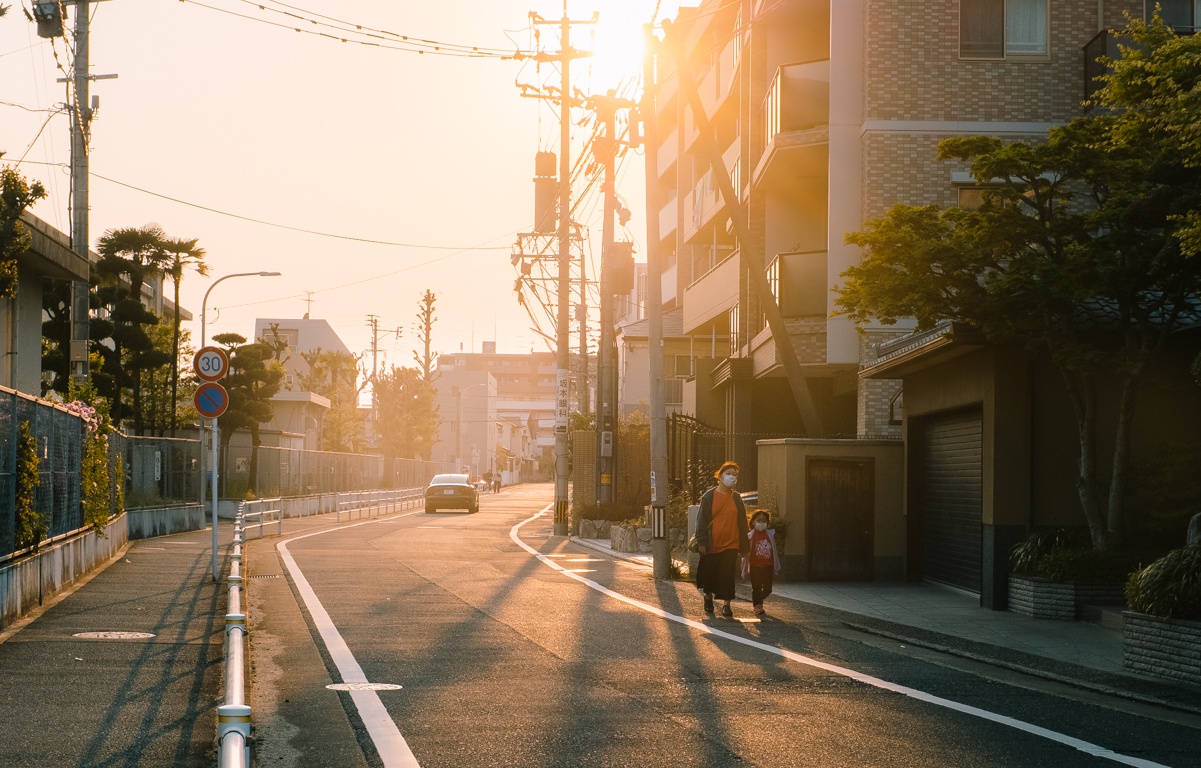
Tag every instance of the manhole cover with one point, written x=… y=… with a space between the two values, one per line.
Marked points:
x=113 y=635
x=363 y=687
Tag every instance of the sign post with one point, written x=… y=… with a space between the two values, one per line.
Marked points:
x=211 y=400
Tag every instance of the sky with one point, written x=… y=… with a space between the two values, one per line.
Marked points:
x=226 y=125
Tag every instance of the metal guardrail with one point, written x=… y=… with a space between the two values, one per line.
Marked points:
x=233 y=717
x=264 y=511
x=372 y=503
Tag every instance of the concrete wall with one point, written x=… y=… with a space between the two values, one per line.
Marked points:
x=27 y=583
x=164 y=521
x=782 y=486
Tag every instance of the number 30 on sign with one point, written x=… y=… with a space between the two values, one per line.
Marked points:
x=211 y=363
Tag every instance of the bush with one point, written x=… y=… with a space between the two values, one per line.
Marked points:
x=1066 y=555
x=1170 y=587
x=31 y=524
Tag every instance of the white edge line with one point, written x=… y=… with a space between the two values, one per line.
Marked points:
x=1079 y=744
x=389 y=743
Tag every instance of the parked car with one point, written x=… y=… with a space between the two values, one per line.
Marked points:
x=451 y=492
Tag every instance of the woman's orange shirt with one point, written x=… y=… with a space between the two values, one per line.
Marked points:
x=725 y=522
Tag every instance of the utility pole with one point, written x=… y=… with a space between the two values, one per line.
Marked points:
x=81 y=112
x=605 y=149
x=562 y=373
x=660 y=545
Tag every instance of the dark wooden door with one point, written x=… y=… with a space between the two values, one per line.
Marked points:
x=840 y=517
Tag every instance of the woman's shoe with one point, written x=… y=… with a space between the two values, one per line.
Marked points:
x=758 y=610
x=727 y=612
x=708 y=603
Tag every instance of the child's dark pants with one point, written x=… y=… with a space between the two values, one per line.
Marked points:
x=761 y=580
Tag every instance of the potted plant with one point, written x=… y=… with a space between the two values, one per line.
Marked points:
x=1162 y=632
x=1054 y=572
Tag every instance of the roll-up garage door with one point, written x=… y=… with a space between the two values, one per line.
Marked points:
x=951 y=500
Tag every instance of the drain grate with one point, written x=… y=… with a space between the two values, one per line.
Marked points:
x=266 y=576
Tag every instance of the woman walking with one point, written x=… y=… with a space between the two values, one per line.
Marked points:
x=721 y=537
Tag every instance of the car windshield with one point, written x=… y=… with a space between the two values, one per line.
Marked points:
x=449 y=480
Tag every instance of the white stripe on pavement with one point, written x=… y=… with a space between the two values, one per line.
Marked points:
x=382 y=730
x=1079 y=744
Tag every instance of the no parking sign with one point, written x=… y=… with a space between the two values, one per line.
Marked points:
x=211 y=400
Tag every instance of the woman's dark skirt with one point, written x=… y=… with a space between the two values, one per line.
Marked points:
x=716 y=572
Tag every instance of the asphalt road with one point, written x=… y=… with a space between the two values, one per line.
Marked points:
x=498 y=657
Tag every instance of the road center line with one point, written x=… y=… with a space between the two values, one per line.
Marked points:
x=391 y=746
x=1061 y=738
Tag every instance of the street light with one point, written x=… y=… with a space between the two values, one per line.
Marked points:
x=203 y=309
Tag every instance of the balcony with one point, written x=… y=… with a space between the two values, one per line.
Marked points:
x=711 y=295
x=716 y=85
x=795 y=120
x=667 y=218
x=668 y=152
x=705 y=201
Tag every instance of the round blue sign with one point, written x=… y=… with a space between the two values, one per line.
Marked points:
x=211 y=400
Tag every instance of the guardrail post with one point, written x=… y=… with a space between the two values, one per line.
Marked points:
x=233 y=731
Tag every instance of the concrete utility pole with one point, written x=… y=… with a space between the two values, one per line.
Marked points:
x=81 y=120
x=562 y=372
x=750 y=255
x=660 y=544
x=605 y=149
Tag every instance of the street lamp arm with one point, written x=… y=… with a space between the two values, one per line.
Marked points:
x=204 y=302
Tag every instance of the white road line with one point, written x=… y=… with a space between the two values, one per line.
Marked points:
x=1070 y=741
x=391 y=746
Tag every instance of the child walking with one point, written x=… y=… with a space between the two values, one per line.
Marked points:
x=763 y=562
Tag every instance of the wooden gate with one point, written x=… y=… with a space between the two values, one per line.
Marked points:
x=840 y=518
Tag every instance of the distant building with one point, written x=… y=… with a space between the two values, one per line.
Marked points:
x=299 y=414
x=521 y=443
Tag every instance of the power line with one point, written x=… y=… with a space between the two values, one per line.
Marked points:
x=411 y=46
x=301 y=229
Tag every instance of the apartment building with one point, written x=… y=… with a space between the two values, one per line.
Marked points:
x=514 y=396
x=825 y=114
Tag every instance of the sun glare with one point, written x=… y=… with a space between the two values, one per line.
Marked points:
x=617 y=45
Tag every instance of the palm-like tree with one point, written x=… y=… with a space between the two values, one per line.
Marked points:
x=182 y=253
x=132 y=255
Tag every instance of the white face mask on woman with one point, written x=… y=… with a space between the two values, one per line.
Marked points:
x=729 y=479
x=760 y=525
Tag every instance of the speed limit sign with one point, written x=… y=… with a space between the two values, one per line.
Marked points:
x=211 y=363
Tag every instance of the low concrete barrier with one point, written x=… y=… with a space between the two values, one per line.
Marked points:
x=148 y=522
x=27 y=583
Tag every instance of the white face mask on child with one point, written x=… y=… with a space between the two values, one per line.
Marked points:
x=729 y=479
x=760 y=526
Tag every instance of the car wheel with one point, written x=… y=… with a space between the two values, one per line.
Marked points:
x=429 y=510
x=474 y=509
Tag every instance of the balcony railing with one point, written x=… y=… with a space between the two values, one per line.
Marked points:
x=799 y=98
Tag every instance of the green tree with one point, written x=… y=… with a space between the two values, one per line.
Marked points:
x=335 y=375
x=254 y=378
x=16 y=194
x=408 y=414
x=128 y=258
x=1080 y=251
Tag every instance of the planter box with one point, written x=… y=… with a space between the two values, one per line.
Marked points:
x=1044 y=599
x=1169 y=648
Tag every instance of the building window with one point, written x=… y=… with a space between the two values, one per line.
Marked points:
x=1180 y=15
x=972 y=197
x=997 y=29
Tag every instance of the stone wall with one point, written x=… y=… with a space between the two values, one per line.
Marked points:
x=1163 y=647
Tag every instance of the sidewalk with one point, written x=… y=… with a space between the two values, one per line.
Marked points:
x=1079 y=653
x=123 y=669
